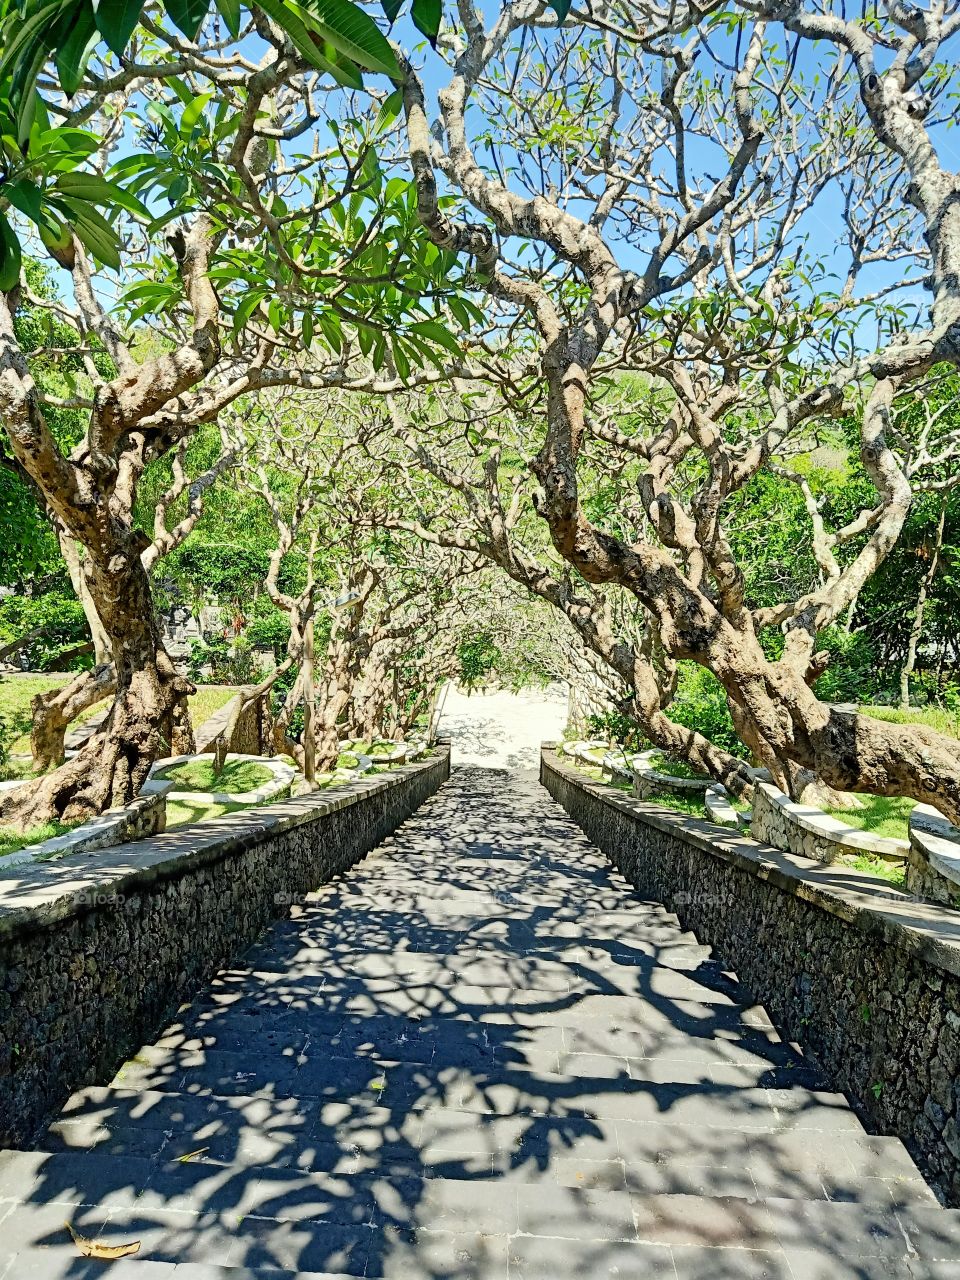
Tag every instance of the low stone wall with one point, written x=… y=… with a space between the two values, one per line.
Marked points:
x=648 y=781
x=865 y=978
x=145 y=816
x=933 y=867
x=804 y=829
x=95 y=952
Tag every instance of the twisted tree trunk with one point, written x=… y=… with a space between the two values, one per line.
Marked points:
x=149 y=717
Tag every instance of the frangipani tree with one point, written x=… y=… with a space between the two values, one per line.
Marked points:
x=652 y=201
x=245 y=252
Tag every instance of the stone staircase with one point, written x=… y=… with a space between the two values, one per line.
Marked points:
x=480 y=1054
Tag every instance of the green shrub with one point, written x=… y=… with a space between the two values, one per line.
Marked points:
x=700 y=703
x=229 y=664
x=852 y=673
x=614 y=726
x=59 y=619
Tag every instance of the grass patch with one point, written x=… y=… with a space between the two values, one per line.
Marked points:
x=936 y=717
x=381 y=749
x=236 y=775
x=672 y=767
x=893 y=872
x=347 y=760
x=13 y=841
x=881 y=815
x=208 y=699
x=693 y=806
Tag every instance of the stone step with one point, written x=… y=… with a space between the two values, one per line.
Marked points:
x=64 y=1263
x=680 y=1003
x=246 y=1027
x=450 y=972
x=368 y=1140
x=501 y=1089
x=398 y=1226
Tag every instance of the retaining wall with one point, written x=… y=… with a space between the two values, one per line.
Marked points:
x=97 y=950
x=865 y=978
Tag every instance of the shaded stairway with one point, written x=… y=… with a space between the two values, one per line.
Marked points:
x=479 y=1054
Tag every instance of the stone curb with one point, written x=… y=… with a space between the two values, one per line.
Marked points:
x=142 y=817
x=934 y=865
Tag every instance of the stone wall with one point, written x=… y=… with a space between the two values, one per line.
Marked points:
x=865 y=978
x=933 y=867
x=96 y=951
x=807 y=830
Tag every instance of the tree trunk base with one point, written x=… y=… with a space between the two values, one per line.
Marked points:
x=149 y=719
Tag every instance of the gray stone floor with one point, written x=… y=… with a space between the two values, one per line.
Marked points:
x=478 y=1055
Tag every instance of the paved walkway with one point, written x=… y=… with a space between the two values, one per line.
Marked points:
x=503 y=730
x=478 y=1055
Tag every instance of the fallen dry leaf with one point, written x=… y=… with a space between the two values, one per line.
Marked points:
x=105 y=1252
x=190 y=1154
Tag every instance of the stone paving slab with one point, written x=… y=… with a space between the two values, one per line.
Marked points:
x=479 y=1055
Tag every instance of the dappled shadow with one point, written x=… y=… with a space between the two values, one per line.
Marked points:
x=477 y=1054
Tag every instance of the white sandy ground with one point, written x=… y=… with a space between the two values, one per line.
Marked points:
x=503 y=730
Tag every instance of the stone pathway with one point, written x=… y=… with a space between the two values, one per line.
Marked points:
x=479 y=1055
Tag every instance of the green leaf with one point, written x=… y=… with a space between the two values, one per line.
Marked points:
x=90 y=186
x=354 y=33
x=194 y=111
x=74 y=53
x=188 y=15
x=307 y=329
x=391 y=8
x=25 y=196
x=388 y=112
x=93 y=230
x=116 y=21
x=560 y=7
x=230 y=12
x=289 y=17
x=438 y=333
x=246 y=307
x=427 y=16
x=400 y=359
x=9 y=255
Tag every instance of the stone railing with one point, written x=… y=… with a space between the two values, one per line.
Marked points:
x=95 y=951
x=865 y=978
x=804 y=829
x=933 y=866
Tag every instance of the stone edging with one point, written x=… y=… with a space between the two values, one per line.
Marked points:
x=283 y=776
x=716 y=801
x=648 y=781
x=807 y=830
x=933 y=868
x=144 y=816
